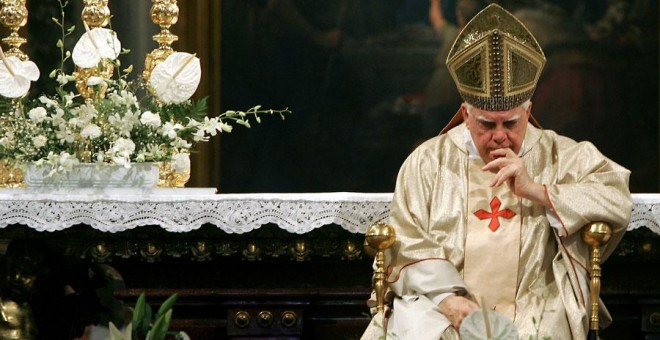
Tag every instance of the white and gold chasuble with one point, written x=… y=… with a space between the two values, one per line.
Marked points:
x=443 y=247
x=492 y=242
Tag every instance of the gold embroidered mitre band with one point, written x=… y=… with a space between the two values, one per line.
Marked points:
x=495 y=61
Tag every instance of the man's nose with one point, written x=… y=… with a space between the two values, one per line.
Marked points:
x=499 y=136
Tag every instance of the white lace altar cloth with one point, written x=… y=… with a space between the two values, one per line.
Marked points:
x=187 y=209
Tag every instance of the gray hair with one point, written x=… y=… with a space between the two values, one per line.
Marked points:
x=524 y=105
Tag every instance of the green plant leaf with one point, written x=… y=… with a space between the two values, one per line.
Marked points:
x=167 y=305
x=138 y=315
x=159 y=329
x=146 y=321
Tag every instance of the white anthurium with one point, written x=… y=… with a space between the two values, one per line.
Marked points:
x=16 y=76
x=94 y=45
x=487 y=324
x=175 y=79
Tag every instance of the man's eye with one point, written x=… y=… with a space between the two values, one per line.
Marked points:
x=510 y=125
x=488 y=125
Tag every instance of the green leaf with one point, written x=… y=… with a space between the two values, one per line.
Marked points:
x=71 y=29
x=147 y=318
x=59 y=44
x=167 y=305
x=138 y=313
x=159 y=330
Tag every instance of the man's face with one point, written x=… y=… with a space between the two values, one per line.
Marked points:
x=492 y=130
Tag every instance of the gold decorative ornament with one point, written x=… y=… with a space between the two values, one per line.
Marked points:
x=170 y=178
x=164 y=13
x=289 y=319
x=151 y=252
x=351 y=250
x=201 y=251
x=95 y=14
x=100 y=252
x=596 y=235
x=252 y=252
x=16 y=321
x=242 y=319
x=495 y=61
x=10 y=176
x=300 y=252
x=265 y=319
x=14 y=15
x=380 y=237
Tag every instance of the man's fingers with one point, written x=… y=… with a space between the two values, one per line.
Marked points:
x=505 y=174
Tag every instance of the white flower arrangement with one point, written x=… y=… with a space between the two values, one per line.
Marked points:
x=128 y=123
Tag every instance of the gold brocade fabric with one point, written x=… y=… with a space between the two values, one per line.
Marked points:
x=429 y=212
x=495 y=61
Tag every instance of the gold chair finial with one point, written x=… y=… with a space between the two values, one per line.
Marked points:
x=596 y=235
x=380 y=237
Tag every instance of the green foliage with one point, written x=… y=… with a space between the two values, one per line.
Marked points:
x=144 y=326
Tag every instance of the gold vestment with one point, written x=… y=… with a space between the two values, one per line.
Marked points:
x=429 y=214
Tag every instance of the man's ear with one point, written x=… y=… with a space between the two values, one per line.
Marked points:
x=464 y=113
x=529 y=109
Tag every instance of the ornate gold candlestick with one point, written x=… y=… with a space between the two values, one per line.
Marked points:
x=14 y=15
x=95 y=14
x=164 y=13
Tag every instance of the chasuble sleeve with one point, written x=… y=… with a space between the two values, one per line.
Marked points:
x=589 y=187
x=417 y=262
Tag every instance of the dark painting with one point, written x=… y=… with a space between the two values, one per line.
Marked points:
x=366 y=82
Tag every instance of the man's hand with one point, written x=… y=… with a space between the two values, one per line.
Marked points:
x=456 y=308
x=511 y=170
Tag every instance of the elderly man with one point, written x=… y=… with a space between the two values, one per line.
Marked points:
x=489 y=211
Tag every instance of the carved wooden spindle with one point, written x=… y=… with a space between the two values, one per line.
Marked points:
x=596 y=235
x=380 y=237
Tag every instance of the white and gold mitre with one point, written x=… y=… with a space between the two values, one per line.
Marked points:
x=495 y=61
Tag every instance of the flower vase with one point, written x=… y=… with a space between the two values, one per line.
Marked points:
x=90 y=175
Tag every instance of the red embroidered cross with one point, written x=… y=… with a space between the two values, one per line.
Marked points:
x=495 y=214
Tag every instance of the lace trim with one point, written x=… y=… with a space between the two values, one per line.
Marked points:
x=183 y=211
x=232 y=213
